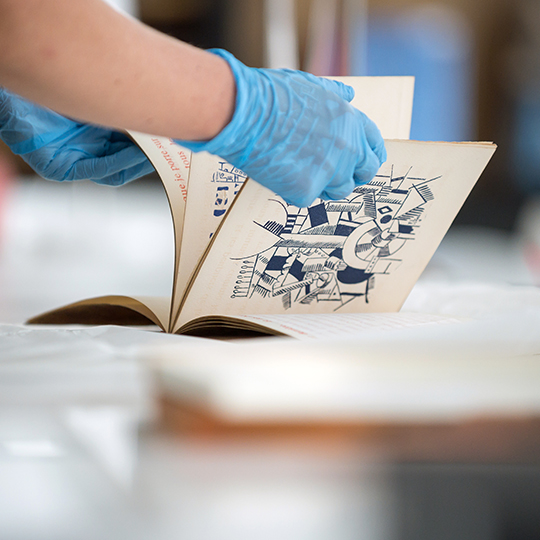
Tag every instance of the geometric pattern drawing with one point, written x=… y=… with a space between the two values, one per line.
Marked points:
x=333 y=251
x=228 y=181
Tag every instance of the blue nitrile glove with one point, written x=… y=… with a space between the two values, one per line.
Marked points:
x=297 y=134
x=59 y=148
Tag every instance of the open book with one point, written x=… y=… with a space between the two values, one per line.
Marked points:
x=244 y=259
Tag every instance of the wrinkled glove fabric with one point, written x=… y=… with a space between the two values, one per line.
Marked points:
x=297 y=134
x=59 y=148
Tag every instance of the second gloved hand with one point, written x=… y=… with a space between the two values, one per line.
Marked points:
x=59 y=148
x=297 y=134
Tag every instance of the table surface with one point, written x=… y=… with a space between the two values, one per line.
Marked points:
x=82 y=452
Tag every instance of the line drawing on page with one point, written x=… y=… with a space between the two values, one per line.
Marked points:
x=333 y=251
x=229 y=180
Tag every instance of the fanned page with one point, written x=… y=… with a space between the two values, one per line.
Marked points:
x=214 y=184
x=360 y=254
x=173 y=165
x=200 y=188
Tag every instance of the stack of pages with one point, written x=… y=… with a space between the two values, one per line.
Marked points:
x=247 y=261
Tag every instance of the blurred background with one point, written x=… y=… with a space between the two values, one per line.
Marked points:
x=81 y=452
x=476 y=66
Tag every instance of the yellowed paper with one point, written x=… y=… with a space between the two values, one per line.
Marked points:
x=214 y=184
x=173 y=164
x=122 y=310
x=361 y=254
x=337 y=325
x=388 y=101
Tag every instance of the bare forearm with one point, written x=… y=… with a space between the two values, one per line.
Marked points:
x=85 y=60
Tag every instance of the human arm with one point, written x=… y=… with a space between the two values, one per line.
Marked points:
x=87 y=61
x=297 y=134
x=290 y=131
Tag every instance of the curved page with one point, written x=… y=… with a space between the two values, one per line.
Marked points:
x=121 y=310
x=213 y=186
x=360 y=254
x=173 y=164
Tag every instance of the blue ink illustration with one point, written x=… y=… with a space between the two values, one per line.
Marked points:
x=333 y=251
x=229 y=180
x=229 y=174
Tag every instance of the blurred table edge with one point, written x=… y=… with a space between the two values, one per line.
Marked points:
x=489 y=440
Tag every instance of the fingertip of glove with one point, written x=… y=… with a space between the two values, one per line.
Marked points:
x=299 y=202
x=381 y=153
x=365 y=172
x=337 y=193
x=349 y=92
x=374 y=138
x=345 y=91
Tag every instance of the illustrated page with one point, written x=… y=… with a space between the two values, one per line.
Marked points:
x=360 y=254
x=214 y=183
x=173 y=164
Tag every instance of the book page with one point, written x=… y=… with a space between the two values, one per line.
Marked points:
x=214 y=183
x=172 y=163
x=336 y=325
x=120 y=310
x=361 y=254
x=388 y=101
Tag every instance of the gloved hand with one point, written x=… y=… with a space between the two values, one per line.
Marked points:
x=297 y=134
x=59 y=148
